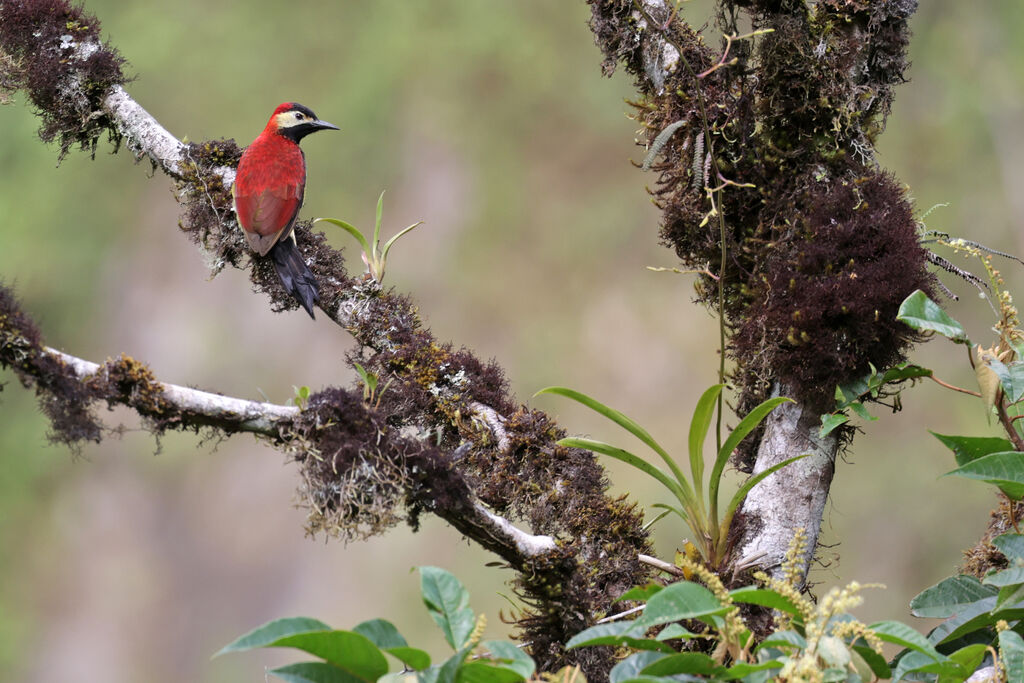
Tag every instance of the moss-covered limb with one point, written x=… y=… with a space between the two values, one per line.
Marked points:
x=69 y=389
x=431 y=387
x=821 y=244
x=52 y=51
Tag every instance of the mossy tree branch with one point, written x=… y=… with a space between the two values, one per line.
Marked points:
x=775 y=149
x=488 y=460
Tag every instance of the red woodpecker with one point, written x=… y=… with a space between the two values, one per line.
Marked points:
x=268 y=191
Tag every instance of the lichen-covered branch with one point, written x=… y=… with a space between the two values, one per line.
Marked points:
x=770 y=158
x=489 y=462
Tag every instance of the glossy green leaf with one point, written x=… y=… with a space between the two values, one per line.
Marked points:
x=693 y=663
x=412 y=657
x=1011 y=576
x=675 y=632
x=968 y=658
x=1011 y=378
x=1004 y=469
x=764 y=597
x=924 y=315
x=876 y=662
x=744 y=669
x=314 y=672
x=862 y=411
x=1011 y=545
x=629 y=668
x=919 y=662
x=968 y=448
x=619 y=634
x=900 y=634
x=699 y=426
x=681 y=600
x=509 y=657
x=1011 y=651
x=1009 y=597
x=271 y=632
x=784 y=640
x=448 y=603
x=351 y=652
x=970 y=618
x=381 y=633
x=641 y=593
x=949 y=596
x=829 y=423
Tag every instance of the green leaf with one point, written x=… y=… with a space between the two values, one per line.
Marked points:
x=949 y=596
x=1009 y=597
x=924 y=315
x=693 y=663
x=381 y=633
x=1011 y=649
x=448 y=603
x=743 y=669
x=350 y=229
x=675 y=632
x=670 y=509
x=617 y=633
x=641 y=593
x=629 y=668
x=862 y=412
x=746 y=425
x=348 y=651
x=508 y=656
x=905 y=371
x=968 y=658
x=681 y=600
x=630 y=426
x=1011 y=545
x=918 y=662
x=699 y=426
x=377 y=223
x=411 y=657
x=876 y=662
x=384 y=635
x=783 y=640
x=272 y=631
x=313 y=672
x=449 y=671
x=968 y=448
x=829 y=422
x=630 y=459
x=1011 y=377
x=1005 y=470
x=973 y=617
x=1007 y=577
x=751 y=595
x=904 y=636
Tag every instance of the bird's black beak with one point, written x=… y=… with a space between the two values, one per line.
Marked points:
x=323 y=125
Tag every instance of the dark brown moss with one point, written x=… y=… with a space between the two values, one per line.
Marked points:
x=57 y=57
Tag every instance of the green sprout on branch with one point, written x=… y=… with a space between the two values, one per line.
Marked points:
x=374 y=256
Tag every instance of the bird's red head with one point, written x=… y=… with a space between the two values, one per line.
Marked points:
x=294 y=121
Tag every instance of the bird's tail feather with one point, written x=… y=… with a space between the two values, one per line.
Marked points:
x=295 y=275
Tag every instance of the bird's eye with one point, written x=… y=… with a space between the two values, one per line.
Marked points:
x=299 y=116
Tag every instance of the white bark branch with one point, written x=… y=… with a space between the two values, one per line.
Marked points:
x=241 y=415
x=790 y=499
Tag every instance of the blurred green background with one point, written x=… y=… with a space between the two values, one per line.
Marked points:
x=491 y=122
